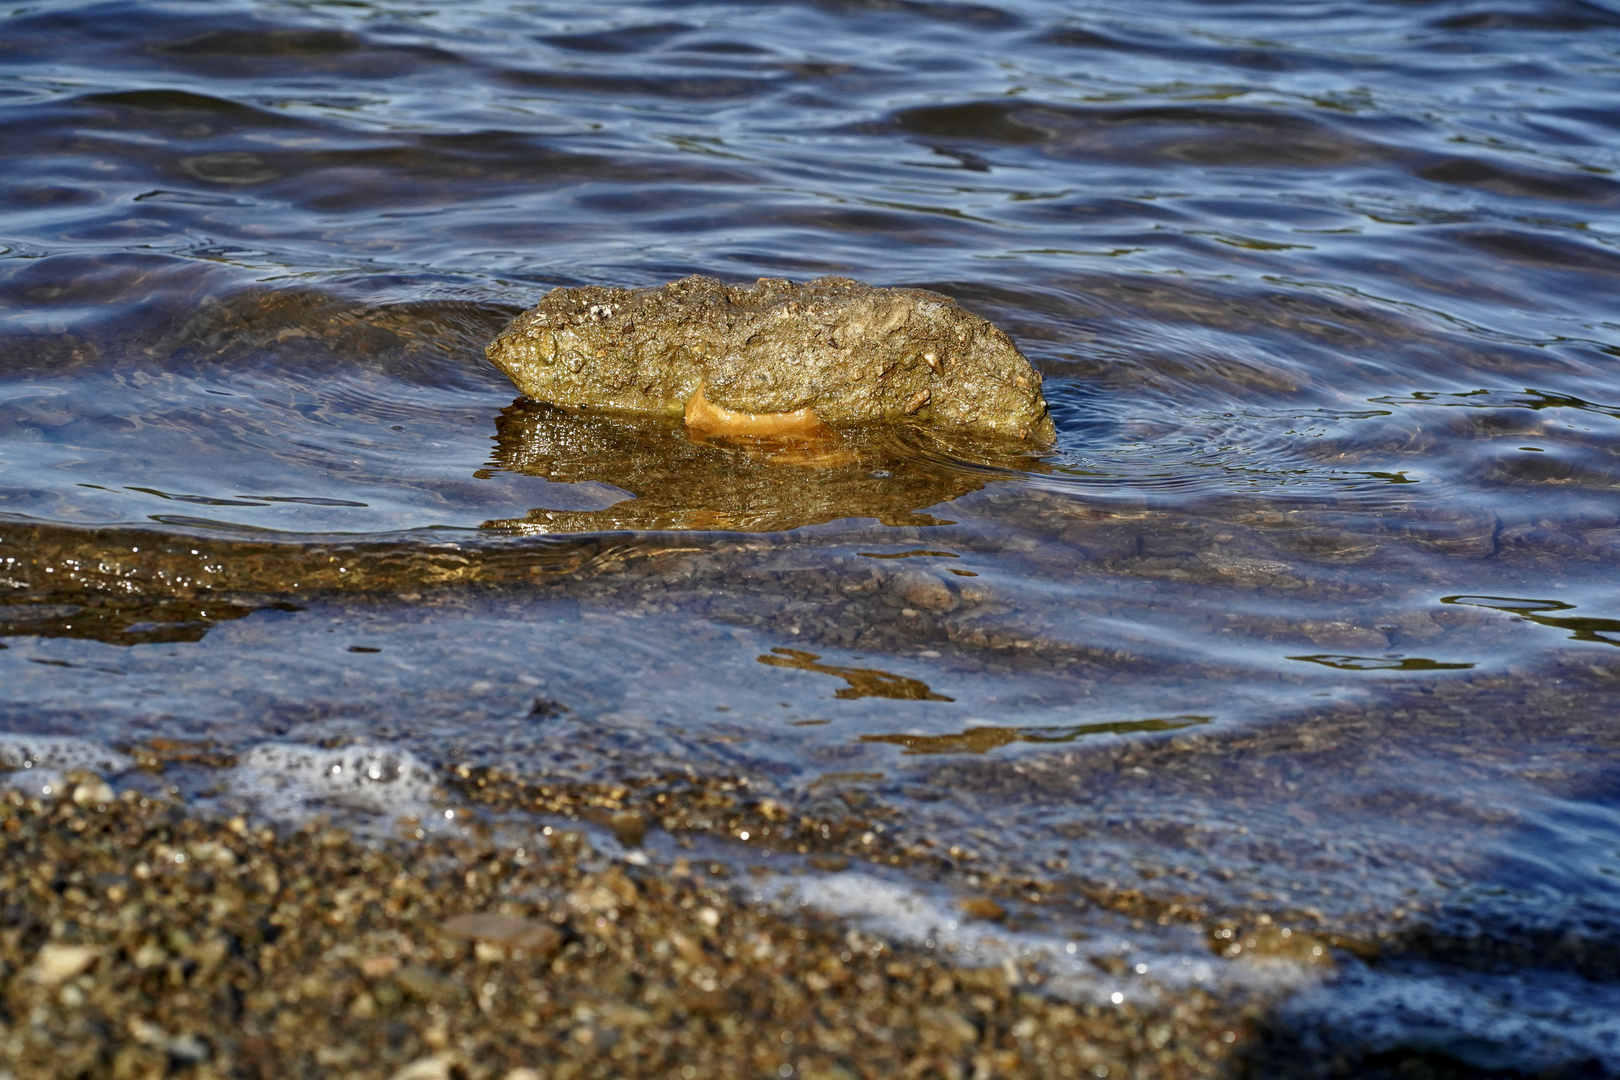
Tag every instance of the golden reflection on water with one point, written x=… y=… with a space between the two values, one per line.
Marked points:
x=863 y=682
x=907 y=554
x=1580 y=627
x=981 y=740
x=681 y=479
x=1380 y=663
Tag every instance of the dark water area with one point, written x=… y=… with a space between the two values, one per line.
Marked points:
x=1310 y=618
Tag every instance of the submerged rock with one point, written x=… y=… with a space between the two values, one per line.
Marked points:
x=774 y=357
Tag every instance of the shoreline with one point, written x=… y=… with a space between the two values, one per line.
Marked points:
x=145 y=940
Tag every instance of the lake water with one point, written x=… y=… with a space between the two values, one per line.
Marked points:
x=1311 y=616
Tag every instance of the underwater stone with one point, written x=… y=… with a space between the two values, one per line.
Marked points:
x=831 y=351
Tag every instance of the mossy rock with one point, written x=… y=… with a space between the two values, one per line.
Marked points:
x=831 y=351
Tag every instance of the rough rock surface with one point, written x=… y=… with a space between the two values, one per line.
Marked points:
x=850 y=352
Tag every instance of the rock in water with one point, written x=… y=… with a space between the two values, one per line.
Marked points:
x=774 y=357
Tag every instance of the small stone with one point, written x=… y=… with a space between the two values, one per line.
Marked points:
x=57 y=963
x=921 y=589
x=436 y=1067
x=94 y=792
x=630 y=826
x=1109 y=964
x=379 y=967
x=945 y=1028
x=149 y=955
x=508 y=931
x=425 y=984
x=620 y=886
x=982 y=907
x=213 y=851
x=145 y=1032
x=188 y=1049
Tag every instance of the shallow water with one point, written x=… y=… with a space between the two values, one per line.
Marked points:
x=1312 y=611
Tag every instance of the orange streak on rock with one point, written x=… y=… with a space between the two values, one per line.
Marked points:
x=703 y=415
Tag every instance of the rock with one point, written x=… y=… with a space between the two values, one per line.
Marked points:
x=630 y=826
x=774 y=357
x=58 y=963
x=93 y=791
x=508 y=931
x=425 y=984
x=145 y=1032
x=1343 y=635
x=149 y=955
x=379 y=967
x=607 y=892
x=188 y=1049
x=982 y=907
x=428 y=1068
x=945 y=1028
x=921 y=589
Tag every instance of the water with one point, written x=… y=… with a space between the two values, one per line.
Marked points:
x=1312 y=611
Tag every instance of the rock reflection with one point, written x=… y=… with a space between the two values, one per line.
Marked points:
x=126 y=621
x=863 y=682
x=1392 y=662
x=684 y=480
x=1580 y=627
x=982 y=740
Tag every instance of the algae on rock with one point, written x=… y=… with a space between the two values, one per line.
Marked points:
x=832 y=351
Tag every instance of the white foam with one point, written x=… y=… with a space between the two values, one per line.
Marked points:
x=291 y=780
x=1074 y=970
x=36 y=783
x=60 y=753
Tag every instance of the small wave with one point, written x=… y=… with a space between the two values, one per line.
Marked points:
x=290 y=781
x=60 y=753
x=39 y=764
x=1077 y=970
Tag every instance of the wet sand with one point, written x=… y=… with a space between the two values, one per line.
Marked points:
x=142 y=941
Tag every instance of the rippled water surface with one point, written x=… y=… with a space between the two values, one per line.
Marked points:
x=1312 y=612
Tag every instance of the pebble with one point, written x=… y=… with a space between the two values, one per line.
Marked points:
x=920 y=589
x=506 y=930
x=58 y=963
